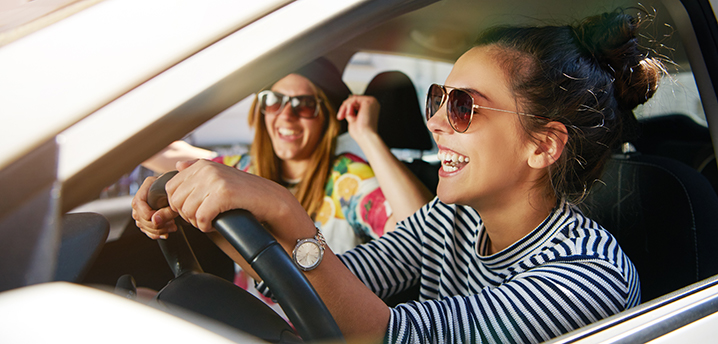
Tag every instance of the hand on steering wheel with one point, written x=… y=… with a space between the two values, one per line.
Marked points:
x=290 y=287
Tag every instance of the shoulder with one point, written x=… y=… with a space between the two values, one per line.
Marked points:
x=579 y=239
x=348 y=162
x=352 y=171
x=587 y=236
x=568 y=231
x=350 y=156
x=578 y=248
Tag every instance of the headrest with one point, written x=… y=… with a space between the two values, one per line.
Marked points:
x=401 y=123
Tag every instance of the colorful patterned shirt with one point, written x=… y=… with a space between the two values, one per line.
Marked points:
x=354 y=209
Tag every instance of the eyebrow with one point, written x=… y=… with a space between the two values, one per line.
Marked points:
x=301 y=95
x=471 y=91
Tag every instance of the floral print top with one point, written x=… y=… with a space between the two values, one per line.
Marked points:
x=354 y=209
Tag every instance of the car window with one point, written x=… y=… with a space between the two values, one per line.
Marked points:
x=228 y=133
x=364 y=66
x=677 y=94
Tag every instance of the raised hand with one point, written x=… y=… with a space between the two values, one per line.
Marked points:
x=362 y=115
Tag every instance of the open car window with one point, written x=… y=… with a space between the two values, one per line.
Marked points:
x=80 y=108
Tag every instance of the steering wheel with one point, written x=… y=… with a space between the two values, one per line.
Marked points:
x=290 y=287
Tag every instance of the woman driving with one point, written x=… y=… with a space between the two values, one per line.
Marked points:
x=524 y=124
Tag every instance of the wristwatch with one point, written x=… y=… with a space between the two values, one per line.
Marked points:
x=308 y=253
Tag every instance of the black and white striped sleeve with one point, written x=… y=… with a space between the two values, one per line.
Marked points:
x=537 y=305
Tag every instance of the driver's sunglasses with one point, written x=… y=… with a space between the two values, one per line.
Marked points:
x=272 y=103
x=460 y=107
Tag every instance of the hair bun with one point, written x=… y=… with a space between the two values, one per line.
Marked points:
x=610 y=39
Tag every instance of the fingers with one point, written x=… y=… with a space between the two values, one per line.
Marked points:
x=185 y=196
x=155 y=224
x=205 y=189
x=198 y=192
x=188 y=194
x=361 y=114
x=347 y=109
x=163 y=216
x=141 y=195
x=356 y=105
x=141 y=211
x=182 y=165
x=160 y=233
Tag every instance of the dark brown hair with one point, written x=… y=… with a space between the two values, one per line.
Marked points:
x=589 y=76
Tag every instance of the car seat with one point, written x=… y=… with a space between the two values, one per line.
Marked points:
x=664 y=215
x=401 y=122
x=679 y=137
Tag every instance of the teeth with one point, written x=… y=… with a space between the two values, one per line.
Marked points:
x=448 y=168
x=287 y=132
x=450 y=159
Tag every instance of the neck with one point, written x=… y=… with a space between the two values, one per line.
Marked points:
x=294 y=169
x=508 y=222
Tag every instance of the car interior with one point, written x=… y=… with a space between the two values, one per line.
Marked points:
x=657 y=196
x=656 y=206
x=401 y=121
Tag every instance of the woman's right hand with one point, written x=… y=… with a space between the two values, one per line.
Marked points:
x=156 y=224
x=362 y=116
x=203 y=189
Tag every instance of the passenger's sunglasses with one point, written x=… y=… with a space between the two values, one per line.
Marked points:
x=272 y=103
x=459 y=108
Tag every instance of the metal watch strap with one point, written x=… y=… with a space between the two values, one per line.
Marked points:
x=320 y=238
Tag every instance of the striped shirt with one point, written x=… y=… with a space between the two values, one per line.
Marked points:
x=566 y=273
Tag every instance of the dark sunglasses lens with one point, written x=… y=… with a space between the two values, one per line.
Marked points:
x=460 y=108
x=270 y=102
x=433 y=100
x=305 y=106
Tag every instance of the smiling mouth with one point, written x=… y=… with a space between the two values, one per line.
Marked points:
x=288 y=133
x=452 y=162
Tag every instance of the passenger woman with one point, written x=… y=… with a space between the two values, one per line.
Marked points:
x=296 y=128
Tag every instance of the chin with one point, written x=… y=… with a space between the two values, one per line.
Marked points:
x=284 y=153
x=444 y=192
x=283 y=157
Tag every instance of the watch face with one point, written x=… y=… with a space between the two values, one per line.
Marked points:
x=307 y=254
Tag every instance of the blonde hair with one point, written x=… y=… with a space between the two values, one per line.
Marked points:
x=310 y=190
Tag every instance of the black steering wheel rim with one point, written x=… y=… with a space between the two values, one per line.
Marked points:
x=290 y=287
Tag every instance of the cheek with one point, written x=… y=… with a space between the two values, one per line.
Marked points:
x=267 y=122
x=315 y=128
x=496 y=152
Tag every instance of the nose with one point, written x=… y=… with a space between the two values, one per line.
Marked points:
x=439 y=123
x=287 y=111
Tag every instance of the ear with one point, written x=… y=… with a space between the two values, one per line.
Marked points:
x=549 y=145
